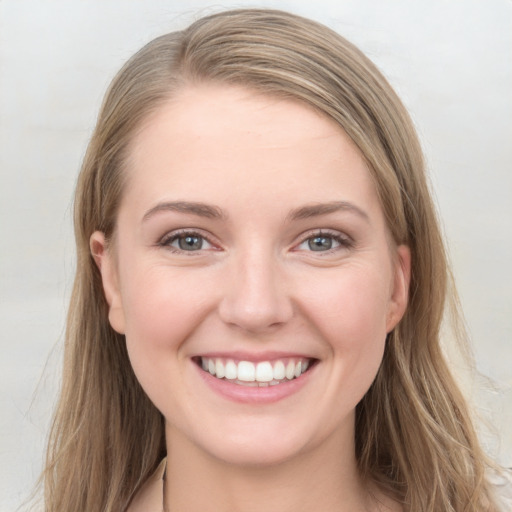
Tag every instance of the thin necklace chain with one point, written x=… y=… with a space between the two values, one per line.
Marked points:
x=164 y=481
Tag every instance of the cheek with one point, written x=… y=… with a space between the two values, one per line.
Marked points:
x=350 y=308
x=162 y=306
x=162 y=309
x=351 y=318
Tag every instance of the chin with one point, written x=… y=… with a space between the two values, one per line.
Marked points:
x=256 y=455
x=259 y=445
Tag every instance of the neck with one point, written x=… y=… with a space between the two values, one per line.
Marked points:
x=324 y=478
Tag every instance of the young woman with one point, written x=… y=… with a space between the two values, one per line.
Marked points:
x=260 y=286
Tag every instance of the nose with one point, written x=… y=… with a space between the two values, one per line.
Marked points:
x=255 y=297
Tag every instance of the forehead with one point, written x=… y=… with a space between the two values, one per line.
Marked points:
x=211 y=140
x=236 y=112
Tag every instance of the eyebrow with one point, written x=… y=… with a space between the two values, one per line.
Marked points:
x=316 y=210
x=213 y=212
x=199 y=209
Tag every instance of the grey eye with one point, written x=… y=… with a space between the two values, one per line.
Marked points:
x=190 y=242
x=186 y=241
x=320 y=243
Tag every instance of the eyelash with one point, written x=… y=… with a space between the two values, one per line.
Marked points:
x=344 y=241
x=168 y=239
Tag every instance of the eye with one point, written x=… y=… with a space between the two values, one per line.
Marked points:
x=324 y=242
x=186 y=241
x=320 y=243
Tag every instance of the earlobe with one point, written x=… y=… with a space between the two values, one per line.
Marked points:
x=104 y=260
x=400 y=292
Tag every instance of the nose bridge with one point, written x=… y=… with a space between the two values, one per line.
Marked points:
x=255 y=296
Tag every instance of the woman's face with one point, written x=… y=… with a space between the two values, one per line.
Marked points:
x=252 y=274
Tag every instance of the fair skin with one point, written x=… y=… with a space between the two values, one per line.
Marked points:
x=250 y=232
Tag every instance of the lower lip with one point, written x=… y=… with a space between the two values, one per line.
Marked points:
x=255 y=394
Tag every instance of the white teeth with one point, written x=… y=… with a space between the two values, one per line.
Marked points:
x=246 y=371
x=264 y=373
x=219 y=369
x=290 y=370
x=279 y=371
x=231 y=370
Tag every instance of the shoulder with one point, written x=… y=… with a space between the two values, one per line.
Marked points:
x=502 y=485
x=150 y=496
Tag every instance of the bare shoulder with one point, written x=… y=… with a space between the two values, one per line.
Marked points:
x=149 y=498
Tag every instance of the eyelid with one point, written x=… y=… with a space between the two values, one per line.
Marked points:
x=344 y=240
x=169 y=237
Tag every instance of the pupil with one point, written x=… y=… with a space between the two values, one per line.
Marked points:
x=320 y=243
x=190 y=243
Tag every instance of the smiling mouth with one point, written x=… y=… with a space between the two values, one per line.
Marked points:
x=260 y=374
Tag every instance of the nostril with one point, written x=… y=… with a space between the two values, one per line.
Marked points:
x=255 y=297
x=256 y=316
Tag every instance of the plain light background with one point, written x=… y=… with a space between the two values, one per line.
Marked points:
x=450 y=61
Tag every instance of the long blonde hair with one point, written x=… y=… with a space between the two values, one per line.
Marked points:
x=414 y=436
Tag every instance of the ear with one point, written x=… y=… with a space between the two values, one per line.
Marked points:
x=400 y=291
x=105 y=261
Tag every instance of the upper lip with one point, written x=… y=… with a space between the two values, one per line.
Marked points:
x=254 y=357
